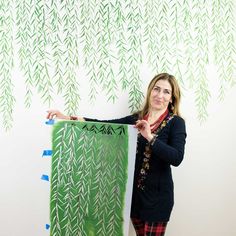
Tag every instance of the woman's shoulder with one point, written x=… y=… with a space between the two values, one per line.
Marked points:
x=177 y=118
x=177 y=122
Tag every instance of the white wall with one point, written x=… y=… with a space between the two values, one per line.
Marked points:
x=205 y=182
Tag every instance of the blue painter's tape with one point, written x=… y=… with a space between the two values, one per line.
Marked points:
x=47 y=226
x=45 y=177
x=47 y=153
x=50 y=122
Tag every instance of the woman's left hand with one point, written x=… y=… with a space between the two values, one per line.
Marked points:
x=144 y=128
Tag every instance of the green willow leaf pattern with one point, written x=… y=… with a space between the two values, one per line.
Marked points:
x=110 y=41
x=134 y=35
x=121 y=43
x=56 y=39
x=201 y=19
x=223 y=34
x=164 y=36
x=88 y=179
x=24 y=32
x=105 y=52
x=177 y=31
x=7 y=99
x=41 y=54
x=151 y=34
x=89 y=32
x=188 y=40
x=70 y=29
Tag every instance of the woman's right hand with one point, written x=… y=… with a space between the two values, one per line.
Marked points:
x=55 y=114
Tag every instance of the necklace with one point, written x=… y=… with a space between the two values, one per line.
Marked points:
x=145 y=166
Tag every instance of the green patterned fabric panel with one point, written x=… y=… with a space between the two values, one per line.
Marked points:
x=88 y=178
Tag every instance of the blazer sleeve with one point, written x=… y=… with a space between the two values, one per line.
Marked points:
x=173 y=152
x=129 y=120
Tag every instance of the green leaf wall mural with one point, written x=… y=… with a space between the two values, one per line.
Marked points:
x=7 y=99
x=89 y=179
x=110 y=40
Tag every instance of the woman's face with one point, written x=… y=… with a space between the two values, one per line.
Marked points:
x=161 y=95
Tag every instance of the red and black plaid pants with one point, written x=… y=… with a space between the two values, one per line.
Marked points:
x=144 y=228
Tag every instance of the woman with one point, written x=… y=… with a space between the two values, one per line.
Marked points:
x=161 y=144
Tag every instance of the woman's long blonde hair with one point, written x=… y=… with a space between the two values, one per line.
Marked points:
x=174 y=106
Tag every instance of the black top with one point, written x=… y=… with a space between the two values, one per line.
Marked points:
x=156 y=201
